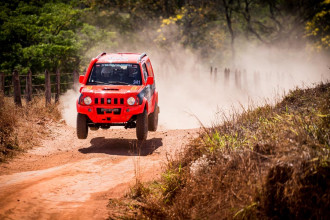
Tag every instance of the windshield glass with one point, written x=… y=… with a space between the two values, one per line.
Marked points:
x=115 y=74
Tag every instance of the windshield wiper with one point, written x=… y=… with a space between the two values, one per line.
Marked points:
x=118 y=82
x=98 y=82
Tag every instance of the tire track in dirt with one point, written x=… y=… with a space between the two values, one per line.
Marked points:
x=73 y=179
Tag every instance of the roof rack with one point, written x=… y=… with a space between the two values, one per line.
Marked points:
x=141 y=56
x=101 y=54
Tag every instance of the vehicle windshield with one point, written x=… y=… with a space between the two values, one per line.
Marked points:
x=115 y=74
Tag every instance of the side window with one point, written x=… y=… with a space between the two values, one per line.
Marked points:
x=145 y=72
x=149 y=68
x=150 y=72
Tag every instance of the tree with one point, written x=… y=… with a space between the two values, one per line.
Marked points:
x=318 y=28
x=228 y=7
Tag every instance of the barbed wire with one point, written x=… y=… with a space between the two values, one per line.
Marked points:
x=35 y=94
x=39 y=85
x=52 y=74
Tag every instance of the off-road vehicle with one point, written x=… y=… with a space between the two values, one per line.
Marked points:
x=118 y=89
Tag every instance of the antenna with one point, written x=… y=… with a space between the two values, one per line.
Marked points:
x=141 y=56
x=101 y=54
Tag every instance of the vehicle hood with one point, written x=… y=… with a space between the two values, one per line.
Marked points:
x=115 y=89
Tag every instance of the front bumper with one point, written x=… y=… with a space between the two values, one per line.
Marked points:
x=110 y=114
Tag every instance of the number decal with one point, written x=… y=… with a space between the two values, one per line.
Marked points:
x=136 y=82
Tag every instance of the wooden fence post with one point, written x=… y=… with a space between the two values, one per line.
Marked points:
x=48 y=91
x=227 y=72
x=211 y=71
x=17 y=88
x=238 y=78
x=28 y=87
x=256 y=77
x=215 y=74
x=75 y=78
x=57 y=86
x=2 y=83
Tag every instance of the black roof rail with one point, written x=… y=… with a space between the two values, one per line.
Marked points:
x=141 y=56
x=101 y=54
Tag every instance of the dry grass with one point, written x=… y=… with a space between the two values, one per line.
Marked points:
x=22 y=127
x=8 y=135
x=271 y=162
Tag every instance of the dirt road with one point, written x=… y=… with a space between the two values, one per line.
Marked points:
x=67 y=178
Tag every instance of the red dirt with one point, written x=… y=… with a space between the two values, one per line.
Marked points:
x=67 y=178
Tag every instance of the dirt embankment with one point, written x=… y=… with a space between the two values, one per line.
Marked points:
x=67 y=178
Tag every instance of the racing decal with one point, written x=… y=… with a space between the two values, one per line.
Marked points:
x=136 y=82
x=88 y=89
x=134 y=88
x=141 y=96
x=114 y=59
x=147 y=93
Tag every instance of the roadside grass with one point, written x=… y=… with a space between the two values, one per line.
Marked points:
x=271 y=162
x=21 y=127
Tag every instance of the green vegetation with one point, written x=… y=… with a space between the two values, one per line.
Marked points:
x=271 y=162
x=63 y=35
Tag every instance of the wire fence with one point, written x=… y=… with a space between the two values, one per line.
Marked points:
x=51 y=84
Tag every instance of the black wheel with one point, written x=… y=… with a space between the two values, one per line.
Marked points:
x=153 y=119
x=142 y=126
x=82 y=128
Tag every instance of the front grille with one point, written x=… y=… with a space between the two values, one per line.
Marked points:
x=109 y=101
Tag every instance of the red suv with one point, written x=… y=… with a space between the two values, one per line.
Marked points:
x=118 y=89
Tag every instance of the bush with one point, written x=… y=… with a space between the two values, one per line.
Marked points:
x=268 y=163
x=8 y=135
x=21 y=127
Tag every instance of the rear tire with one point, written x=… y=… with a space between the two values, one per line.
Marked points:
x=153 y=119
x=142 y=126
x=82 y=128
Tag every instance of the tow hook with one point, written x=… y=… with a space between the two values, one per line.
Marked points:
x=130 y=124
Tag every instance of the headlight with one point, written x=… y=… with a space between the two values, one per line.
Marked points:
x=87 y=100
x=131 y=101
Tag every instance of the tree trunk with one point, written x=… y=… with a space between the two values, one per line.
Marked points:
x=2 y=83
x=75 y=78
x=247 y=17
x=57 y=86
x=17 y=88
x=28 y=87
x=228 y=13
x=48 y=91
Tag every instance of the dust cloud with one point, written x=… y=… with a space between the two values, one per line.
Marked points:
x=68 y=105
x=191 y=95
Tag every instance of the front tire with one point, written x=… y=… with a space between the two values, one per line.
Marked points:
x=142 y=126
x=153 y=119
x=82 y=128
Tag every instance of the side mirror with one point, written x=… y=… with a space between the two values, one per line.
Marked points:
x=81 y=79
x=150 y=80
